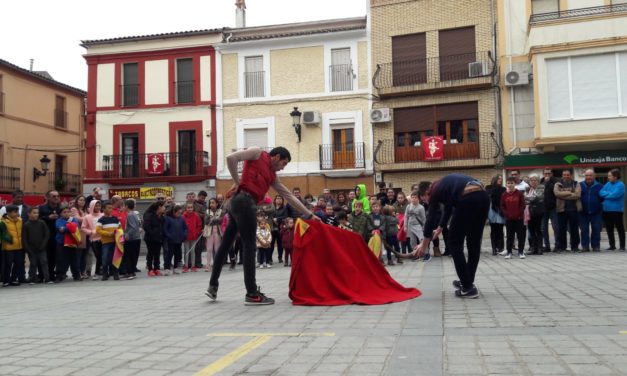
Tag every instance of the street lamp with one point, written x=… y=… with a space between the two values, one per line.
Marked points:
x=45 y=162
x=296 y=121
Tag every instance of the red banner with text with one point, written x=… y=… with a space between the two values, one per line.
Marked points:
x=433 y=148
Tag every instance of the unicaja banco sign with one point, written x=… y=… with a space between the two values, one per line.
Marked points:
x=603 y=157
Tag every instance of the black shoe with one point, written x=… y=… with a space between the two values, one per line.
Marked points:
x=105 y=277
x=116 y=276
x=584 y=249
x=15 y=283
x=446 y=253
x=622 y=249
x=471 y=293
x=258 y=298
x=494 y=252
x=596 y=249
x=212 y=293
x=457 y=284
x=611 y=248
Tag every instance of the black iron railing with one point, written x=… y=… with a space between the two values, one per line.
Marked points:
x=431 y=71
x=130 y=95
x=576 y=13
x=185 y=92
x=60 y=118
x=1 y=102
x=254 y=84
x=402 y=149
x=9 y=178
x=155 y=165
x=340 y=156
x=341 y=77
x=66 y=183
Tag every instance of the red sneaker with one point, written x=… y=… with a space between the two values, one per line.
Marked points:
x=151 y=273
x=194 y=269
x=186 y=269
x=158 y=273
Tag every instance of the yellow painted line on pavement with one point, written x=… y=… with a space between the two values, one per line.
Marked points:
x=233 y=356
x=623 y=332
x=280 y=334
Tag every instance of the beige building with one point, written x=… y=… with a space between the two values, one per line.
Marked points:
x=433 y=73
x=39 y=116
x=563 y=67
x=322 y=69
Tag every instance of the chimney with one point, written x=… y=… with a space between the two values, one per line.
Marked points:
x=240 y=13
x=32 y=61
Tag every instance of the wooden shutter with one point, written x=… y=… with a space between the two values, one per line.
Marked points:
x=457 y=50
x=409 y=59
x=456 y=111
x=413 y=119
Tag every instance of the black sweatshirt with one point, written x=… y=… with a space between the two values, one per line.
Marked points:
x=35 y=236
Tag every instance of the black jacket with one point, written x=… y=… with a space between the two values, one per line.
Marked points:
x=550 y=202
x=153 y=227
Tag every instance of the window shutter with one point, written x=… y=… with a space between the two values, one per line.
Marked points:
x=622 y=64
x=254 y=64
x=457 y=111
x=413 y=119
x=594 y=86
x=256 y=137
x=341 y=56
x=457 y=50
x=559 y=94
x=544 y=6
x=130 y=74
x=409 y=59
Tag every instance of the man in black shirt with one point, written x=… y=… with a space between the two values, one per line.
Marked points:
x=550 y=212
x=49 y=213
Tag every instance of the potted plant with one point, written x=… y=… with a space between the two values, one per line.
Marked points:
x=59 y=184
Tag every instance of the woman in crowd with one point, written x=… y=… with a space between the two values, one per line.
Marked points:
x=281 y=212
x=153 y=236
x=613 y=194
x=79 y=211
x=399 y=208
x=213 y=231
x=341 y=201
x=534 y=198
x=495 y=217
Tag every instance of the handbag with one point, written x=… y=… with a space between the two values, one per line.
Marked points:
x=495 y=218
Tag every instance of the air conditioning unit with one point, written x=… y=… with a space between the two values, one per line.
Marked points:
x=380 y=115
x=478 y=69
x=311 y=117
x=518 y=74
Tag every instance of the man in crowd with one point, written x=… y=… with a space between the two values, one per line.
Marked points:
x=550 y=212
x=382 y=191
x=568 y=206
x=590 y=217
x=200 y=207
x=17 y=199
x=521 y=185
x=49 y=212
x=328 y=197
x=96 y=194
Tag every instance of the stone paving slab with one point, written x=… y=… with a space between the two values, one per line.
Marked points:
x=556 y=314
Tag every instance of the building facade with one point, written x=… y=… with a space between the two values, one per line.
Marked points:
x=39 y=117
x=322 y=69
x=564 y=84
x=151 y=119
x=433 y=67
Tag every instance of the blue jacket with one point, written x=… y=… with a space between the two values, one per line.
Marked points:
x=60 y=224
x=175 y=229
x=613 y=195
x=590 y=198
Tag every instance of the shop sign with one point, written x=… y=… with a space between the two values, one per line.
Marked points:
x=142 y=193
x=433 y=148
x=583 y=158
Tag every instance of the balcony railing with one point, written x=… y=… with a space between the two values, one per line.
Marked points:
x=139 y=166
x=402 y=150
x=9 y=178
x=432 y=71
x=130 y=95
x=577 y=13
x=60 y=118
x=254 y=84
x=1 y=102
x=66 y=183
x=342 y=156
x=341 y=77
x=185 y=92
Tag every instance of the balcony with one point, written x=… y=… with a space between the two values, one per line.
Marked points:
x=443 y=73
x=185 y=92
x=254 y=83
x=401 y=154
x=342 y=156
x=1 y=102
x=9 y=178
x=130 y=95
x=613 y=9
x=156 y=165
x=60 y=118
x=341 y=77
x=64 y=183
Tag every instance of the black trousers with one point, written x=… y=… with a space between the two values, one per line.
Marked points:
x=199 y=248
x=51 y=253
x=535 y=230
x=68 y=257
x=276 y=238
x=496 y=236
x=131 y=255
x=242 y=219
x=615 y=220
x=467 y=224
x=515 y=228
x=153 y=256
x=97 y=247
x=13 y=266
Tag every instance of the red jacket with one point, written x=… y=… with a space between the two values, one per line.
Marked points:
x=194 y=224
x=513 y=205
x=257 y=176
x=287 y=237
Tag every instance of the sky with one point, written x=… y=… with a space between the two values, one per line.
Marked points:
x=50 y=31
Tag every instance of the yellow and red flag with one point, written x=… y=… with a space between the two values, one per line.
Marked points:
x=118 y=253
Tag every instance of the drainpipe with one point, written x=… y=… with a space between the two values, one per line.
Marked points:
x=511 y=89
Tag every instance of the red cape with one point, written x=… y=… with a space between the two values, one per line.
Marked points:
x=331 y=266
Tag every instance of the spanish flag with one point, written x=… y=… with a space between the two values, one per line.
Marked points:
x=118 y=253
x=72 y=237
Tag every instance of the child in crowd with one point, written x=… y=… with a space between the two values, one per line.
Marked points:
x=106 y=227
x=88 y=228
x=264 y=239
x=343 y=223
x=359 y=221
x=35 y=234
x=330 y=216
x=194 y=230
x=415 y=218
x=391 y=231
x=287 y=238
x=175 y=231
x=153 y=236
x=377 y=222
x=77 y=211
x=213 y=232
x=12 y=249
x=132 y=239
x=513 y=209
x=67 y=246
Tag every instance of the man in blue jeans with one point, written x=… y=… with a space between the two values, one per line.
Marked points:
x=591 y=213
x=568 y=204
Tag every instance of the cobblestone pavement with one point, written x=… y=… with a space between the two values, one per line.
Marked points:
x=557 y=314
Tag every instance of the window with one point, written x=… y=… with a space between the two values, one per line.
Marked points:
x=187 y=153
x=60 y=115
x=130 y=155
x=130 y=85
x=584 y=87
x=184 y=81
x=254 y=77
x=616 y=2
x=457 y=50
x=544 y=6
x=409 y=59
x=341 y=70
x=256 y=137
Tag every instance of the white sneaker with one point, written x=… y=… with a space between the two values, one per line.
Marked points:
x=166 y=272
x=264 y=265
x=174 y=271
x=521 y=255
x=504 y=253
x=268 y=265
x=508 y=256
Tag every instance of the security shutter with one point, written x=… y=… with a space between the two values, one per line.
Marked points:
x=457 y=111
x=409 y=59
x=457 y=50
x=413 y=119
x=256 y=137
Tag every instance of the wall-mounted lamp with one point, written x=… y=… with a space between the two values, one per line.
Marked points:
x=296 y=121
x=45 y=162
